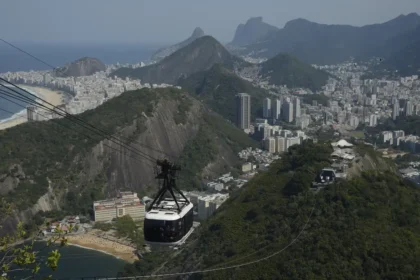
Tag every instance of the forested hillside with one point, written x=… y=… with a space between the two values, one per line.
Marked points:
x=217 y=87
x=364 y=228
x=58 y=164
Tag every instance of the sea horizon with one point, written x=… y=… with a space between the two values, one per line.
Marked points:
x=59 y=54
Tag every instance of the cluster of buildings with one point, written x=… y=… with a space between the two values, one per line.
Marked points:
x=355 y=101
x=398 y=138
x=82 y=93
x=126 y=203
x=284 y=108
x=69 y=225
x=206 y=204
x=256 y=158
x=274 y=139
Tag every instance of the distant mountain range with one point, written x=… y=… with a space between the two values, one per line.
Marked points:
x=252 y=31
x=316 y=43
x=284 y=69
x=402 y=53
x=164 y=52
x=205 y=52
x=82 y=67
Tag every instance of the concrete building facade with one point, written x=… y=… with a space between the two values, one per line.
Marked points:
x=243 y=110
x=126 y=203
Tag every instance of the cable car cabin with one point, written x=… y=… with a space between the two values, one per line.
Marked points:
x=163 y=224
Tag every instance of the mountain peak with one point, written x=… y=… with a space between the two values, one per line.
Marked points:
x=299 y=22
x=84 y=66
x=255 y=20
x=253 y=30
x=197 y=33
x=200 y=55
x=164 y=52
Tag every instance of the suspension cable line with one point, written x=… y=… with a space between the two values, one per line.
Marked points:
x=79 y=122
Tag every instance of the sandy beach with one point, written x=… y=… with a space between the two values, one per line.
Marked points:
x=51 y=96
x=90 y=241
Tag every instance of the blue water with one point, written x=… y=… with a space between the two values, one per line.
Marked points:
x=60 y=54
x=8 y=109
x=77 y=263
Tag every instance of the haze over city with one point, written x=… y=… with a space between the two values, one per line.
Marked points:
x=158 y=21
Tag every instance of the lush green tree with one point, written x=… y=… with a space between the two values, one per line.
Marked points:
x=17 y=255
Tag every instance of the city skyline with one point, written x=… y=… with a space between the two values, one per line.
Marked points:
x=168 y=22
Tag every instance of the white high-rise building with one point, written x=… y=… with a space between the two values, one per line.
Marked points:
x=287 y=111
x=270 y=144
x=280 y=144
x=267 y=108
x=373 y=120
x=408 y=108
x=292 y=141
x=354 y=121
x=395 y=110
x=276 y=109
x=243 y=110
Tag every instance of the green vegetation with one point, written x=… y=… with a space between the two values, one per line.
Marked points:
x=103 y=226
x=357 y=134
x=364 y=228
x=217 y=88
x=25 y=257
x=410 y=125
x=126 y=227
x=205 y=147
x=54 y=151
x=321 y=99
x=285 y=69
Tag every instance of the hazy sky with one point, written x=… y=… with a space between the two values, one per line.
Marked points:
x=157 y=21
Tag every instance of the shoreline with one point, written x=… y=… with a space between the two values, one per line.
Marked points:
x=92 y=242
x=92 y=249
x=54 y=97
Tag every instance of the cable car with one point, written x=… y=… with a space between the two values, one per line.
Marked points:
x=168 y=220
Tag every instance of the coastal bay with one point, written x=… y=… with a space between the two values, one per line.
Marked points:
x=52 y=96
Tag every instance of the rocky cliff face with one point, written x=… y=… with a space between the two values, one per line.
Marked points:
x=162 y=134
x=159 y=131
x=253 y=30
x=85 y=66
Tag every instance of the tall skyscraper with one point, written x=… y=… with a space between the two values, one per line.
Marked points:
x=267 y=108
x=373 y=120
x=243 y=110
x=296 y=108
x=395 y=110
x=287 y=111
x=276 y=109
x=408 y=108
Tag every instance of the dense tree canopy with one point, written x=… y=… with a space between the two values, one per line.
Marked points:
x=363 y=228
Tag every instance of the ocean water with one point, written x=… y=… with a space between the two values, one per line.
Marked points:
x=78 y=263
x=13 y=108
x=60 y=54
